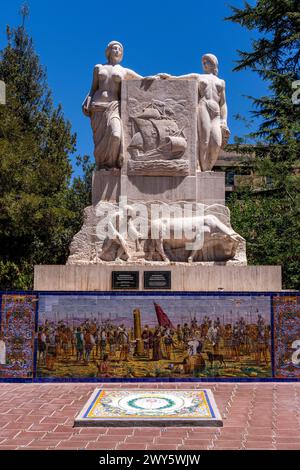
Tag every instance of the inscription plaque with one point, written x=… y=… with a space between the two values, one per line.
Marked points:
x=157 y=280
x=125 y=279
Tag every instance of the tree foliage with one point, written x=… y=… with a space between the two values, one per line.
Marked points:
x=269 y=220
x=39 y=205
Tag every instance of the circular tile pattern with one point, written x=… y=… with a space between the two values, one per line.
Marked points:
x=158 y=402
x=152 y=403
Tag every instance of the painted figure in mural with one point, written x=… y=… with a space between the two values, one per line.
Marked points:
x=123 y=343
x=213 y=132
x=125 y=351
x=179 y=335
x=199 y=363
x=89 y=343
x=227 y=335
x=103 y=366
x=64 y=341
x=103 y=342
x=157 y=345
x=169 y=344
x=262 y=341
x=79 y=344
x=147 y=337
x=213 y=335
x=102 y=105
x=51 y=349
x=236 y=342
x=42 y=346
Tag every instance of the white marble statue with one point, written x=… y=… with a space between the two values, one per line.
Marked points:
x=213 y=132
x=102 y=105
x=170 y=130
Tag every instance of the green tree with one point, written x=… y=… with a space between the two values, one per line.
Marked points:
x=81 y=189
x=40 y=210
x=269 y=219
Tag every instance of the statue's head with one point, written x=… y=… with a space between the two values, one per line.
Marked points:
x=210 y=64
x=114 y=52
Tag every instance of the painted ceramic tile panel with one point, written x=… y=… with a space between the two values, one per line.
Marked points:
x=93 y=336
x=156 y=407
x=17 y=330
x=124 y=403
x=287 y=336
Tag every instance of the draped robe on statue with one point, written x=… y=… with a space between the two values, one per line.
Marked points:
x=106 y=155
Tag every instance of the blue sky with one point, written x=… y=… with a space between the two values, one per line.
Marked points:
x=158 y=36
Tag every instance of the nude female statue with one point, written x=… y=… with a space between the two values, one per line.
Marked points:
x=102 y=105
x=213 y=132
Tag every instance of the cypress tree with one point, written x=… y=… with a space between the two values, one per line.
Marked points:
x=269 y=218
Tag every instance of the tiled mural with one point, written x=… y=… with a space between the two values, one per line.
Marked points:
x=158 y=337
x=155 y=336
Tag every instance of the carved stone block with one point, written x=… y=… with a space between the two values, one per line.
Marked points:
x=106 y=185
x=209 y=277
x=220 y=244
x=158 y=188
x=211 y=187
x=159 y=127
x=158 y=167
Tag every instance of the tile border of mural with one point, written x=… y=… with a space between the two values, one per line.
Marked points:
x=32 y=298
x=271 y=295
x=283 y=338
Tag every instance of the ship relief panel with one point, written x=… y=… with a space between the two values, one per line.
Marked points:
x=159 y=121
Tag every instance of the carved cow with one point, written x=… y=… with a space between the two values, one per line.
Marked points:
x=219 y=232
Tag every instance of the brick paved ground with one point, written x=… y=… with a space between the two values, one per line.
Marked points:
x=256 y=416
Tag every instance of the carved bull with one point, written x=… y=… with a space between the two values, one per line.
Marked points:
x=224 y=238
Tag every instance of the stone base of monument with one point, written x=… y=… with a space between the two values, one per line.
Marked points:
x=157 y=276
x=150 y=408
x=204 y=187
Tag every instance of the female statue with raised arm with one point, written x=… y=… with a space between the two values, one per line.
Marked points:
x=213 y=132
x=102 y=105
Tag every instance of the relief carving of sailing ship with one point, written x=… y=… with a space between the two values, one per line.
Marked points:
x=156 y=134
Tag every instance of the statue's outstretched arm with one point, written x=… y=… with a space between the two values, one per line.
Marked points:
x=88 y=99
x=188 y=76
x=131 y=75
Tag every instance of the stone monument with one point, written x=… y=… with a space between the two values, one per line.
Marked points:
x=156 y=201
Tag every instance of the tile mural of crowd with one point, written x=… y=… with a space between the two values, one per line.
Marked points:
x=161 y=337
x=98 y=336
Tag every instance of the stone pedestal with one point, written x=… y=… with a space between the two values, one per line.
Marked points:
x=106 y=186
x=184 y=277
x=211 y=187
x=159 y=188
x=204 y=187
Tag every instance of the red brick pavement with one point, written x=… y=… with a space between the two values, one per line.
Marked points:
x=256 y=416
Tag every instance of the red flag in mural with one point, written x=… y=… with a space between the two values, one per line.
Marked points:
x=162 y=317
